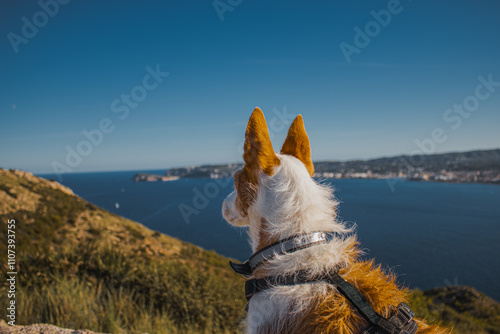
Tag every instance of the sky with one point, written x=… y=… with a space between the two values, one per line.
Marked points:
x=141 y=85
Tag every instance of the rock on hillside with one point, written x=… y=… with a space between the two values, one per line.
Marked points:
x=39 y=328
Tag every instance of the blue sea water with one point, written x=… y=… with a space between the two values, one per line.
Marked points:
x=430 y=234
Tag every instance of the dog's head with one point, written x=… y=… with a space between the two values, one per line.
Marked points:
x=261 y=164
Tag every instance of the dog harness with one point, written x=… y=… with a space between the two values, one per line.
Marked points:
x=284 y=246
x=401 y=322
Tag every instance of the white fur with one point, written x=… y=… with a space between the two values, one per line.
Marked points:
x=230 y=213
x=291 y=202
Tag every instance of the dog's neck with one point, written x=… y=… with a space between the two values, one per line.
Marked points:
x=290 y=202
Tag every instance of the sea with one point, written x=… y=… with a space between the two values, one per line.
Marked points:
x=429 y=234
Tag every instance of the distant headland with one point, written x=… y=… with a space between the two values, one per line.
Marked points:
x=146 y=177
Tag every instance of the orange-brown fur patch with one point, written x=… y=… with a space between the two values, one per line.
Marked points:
x=297 y=144
x=334 y=314
x=245 y=191
x=258 y=150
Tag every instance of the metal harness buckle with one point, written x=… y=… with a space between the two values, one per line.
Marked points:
x=406 y=312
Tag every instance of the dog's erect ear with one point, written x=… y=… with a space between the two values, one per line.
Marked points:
x=258 y=151
x=297 y=144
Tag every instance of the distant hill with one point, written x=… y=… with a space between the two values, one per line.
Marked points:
x=485 y=160
x=80 y=266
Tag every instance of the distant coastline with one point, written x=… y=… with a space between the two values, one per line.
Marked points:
x=480 y=166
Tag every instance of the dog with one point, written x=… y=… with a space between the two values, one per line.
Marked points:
x=306 y=276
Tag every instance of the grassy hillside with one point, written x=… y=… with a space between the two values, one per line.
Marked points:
x=82 y=267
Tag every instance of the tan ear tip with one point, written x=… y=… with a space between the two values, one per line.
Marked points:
x=298 y=121
x=257 y=114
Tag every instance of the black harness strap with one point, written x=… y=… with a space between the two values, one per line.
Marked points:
x=355 y=298
x=394 y=325
x=254 y=286
x=285 y=246
x=400 y=323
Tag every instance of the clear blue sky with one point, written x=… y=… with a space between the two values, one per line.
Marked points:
x=278 y=55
